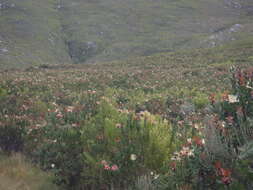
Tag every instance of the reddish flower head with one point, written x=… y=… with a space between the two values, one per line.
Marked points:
x=198 y=141
x=225 y=96
x=107 y=167
x=225 y=172
x=226 y=180
x=217 y=165
x=173 y=166
x=114 y=167
x=212 y=98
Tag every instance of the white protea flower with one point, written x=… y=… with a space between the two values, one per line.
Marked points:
x=176 y=158
x=197 y=126
x=248 y=86
x=190 y=153
x=232 y=99
x=156 y=176
x=70 y=109
x=133 y=157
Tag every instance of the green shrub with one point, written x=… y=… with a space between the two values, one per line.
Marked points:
x=3 y=92
x=12 y=132
x=110 y=149
x=200 y=100
x=61 y=152
x=114 y=136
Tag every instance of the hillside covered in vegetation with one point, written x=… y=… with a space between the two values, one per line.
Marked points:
x=141 y=123
x=87 y=31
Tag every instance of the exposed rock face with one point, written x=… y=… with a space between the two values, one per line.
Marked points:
x=249 y=10
x=224 y=35
x=81 y=51
x=4 y=50
x=7 y=5
x=233 y=3
x=235 y=28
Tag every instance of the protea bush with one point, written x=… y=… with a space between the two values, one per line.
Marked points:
x=218 y=153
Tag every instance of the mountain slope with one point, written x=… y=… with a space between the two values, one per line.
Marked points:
x=122 y=28
x=76 y=31
x=30 y=33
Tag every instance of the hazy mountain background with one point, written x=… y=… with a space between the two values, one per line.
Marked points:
x=34 y=32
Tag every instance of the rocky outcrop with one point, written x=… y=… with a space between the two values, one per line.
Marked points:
x=224 y=35
x=233 y=3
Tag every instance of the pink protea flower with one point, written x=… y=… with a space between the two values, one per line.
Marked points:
x=114 y=167
x=107 y=167
x=212 y=98
x=70 y=109
x=59 y=115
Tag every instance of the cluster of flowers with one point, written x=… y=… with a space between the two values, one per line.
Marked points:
x=106 y=166
x=59 y=114
x=230 y=98
x=186 y=151
x=225 y=174
x=243 y=77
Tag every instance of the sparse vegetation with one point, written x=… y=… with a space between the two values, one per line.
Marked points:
x=17 y=173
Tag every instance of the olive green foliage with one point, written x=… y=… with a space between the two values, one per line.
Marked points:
x=76 y=155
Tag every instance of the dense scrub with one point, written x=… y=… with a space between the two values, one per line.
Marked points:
x=216 y=152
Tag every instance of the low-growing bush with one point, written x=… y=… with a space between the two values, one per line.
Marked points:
x=11 y=137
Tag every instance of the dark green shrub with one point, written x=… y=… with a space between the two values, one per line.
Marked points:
x=12 y=135
x=61 y=152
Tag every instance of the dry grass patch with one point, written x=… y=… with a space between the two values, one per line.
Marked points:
x=18 y=174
